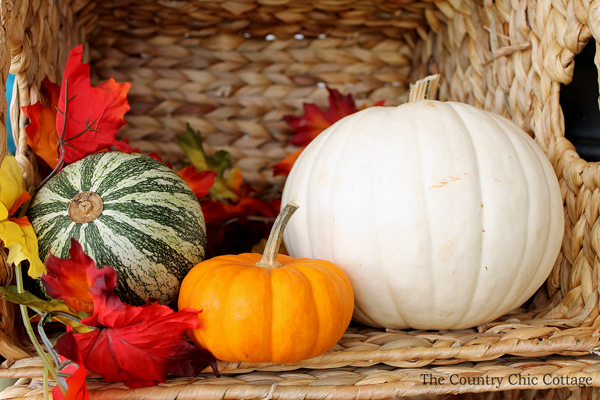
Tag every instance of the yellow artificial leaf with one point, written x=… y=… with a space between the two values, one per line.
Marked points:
x=3 y=212
x=22 y=244
x=17 y=233
x=11 y=183
x=230 y=188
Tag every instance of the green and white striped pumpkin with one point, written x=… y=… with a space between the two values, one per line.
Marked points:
x=129 y=212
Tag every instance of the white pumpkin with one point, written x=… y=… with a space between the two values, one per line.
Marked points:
x=443 y=216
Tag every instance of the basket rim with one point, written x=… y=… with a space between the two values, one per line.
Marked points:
x=372 y=383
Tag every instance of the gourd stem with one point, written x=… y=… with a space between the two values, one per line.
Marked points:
x=269 y=258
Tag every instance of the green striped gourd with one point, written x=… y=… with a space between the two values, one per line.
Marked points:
x=129 y=212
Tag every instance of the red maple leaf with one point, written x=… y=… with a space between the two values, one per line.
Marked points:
x=89 y=117
x=70 y=279
x=316 y=120
x=216 y=212
x=139 y=345
x=312 y=123
x=199 y=182
x=41 y=131
x=66 y=345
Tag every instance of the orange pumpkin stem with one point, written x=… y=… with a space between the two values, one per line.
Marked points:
x=269 y=258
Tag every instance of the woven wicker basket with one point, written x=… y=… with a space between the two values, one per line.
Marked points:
x=233 y=68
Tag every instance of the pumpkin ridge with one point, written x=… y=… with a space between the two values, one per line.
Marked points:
x=317 y=332
x=212 y=286
x=324 y=148
x=533 y=281
x=262 y=287
x=375 y=209
x=271 y=317
x=315 y=327
x=513 y=287
x=466 y=310
x=324 y=273
x=429 y=226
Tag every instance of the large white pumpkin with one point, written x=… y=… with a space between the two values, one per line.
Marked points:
x=444 y=216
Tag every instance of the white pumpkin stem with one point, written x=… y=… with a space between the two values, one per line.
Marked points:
x=269 y=258
x=425 y=88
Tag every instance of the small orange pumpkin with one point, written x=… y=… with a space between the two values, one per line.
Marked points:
x=270 y=309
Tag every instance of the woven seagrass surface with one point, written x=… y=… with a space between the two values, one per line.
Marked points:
x=375 y=382
x=213 y=65
x=210 y=65
x=363 y=347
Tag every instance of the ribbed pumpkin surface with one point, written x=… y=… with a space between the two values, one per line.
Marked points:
x=150 y=229
x=443 y=216
x=252 y=314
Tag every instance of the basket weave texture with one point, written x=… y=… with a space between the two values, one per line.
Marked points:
x=511 y=374
x=232 y=69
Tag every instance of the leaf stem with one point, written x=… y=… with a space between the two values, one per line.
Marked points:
x=59 y=165
x=29 y=329
x=45 y=339
x=62 y=140
x=44 y=317
x=69 y=316
x=46 y=397
x=269 y=258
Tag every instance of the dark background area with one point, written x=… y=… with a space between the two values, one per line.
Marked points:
x=579 y=102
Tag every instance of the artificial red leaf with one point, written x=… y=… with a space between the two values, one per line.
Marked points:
x=93 y=115
x=155 y=156
x=139 y=345
x=284 y=166
x=215 y=213
x=70 y=279
x=199 y=182
x=41 y=131
x=191 y=143
x=67 y=347
x=315 y=120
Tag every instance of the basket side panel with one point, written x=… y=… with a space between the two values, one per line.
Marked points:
x=511 y=58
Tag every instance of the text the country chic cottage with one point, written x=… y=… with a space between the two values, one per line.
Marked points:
x=512 y=380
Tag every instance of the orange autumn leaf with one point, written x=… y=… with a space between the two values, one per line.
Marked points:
x=285 y=166
x=199 y=182
x=235 y=180
x=41 y=131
